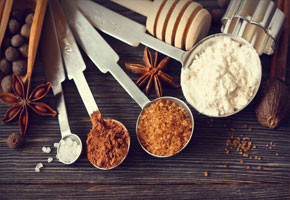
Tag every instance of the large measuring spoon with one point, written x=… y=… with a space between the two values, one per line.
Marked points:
x=105 y=58
x=75 y=65
x=134 y=33
x=54 y=72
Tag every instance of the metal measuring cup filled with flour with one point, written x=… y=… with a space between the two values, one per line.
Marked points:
x=133 y=34
x=221 y=76
x=165 y=125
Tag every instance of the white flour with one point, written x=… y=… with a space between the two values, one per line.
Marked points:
x=223 y=78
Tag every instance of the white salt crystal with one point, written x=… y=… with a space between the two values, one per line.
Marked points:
x=46 y=149
x=38 y=166
x=68 y=150
x=50 y=159
x=56 y=145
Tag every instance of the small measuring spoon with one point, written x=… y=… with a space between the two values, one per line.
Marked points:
x=133 y=33
x=105 y=58
x=54 y=71
x=75 y=65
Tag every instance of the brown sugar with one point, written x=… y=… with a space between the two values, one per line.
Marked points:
x=164 y=128
x=107 y=142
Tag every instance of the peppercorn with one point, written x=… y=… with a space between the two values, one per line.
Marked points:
x=19 y=67
x=13 y=26
x=15 y=141
x=24 y=50
x=5 y=66
x=18 y=15
x=11 y=54
x=6 y=84
x=25 y=31
x=17 y=40
x=29 y=19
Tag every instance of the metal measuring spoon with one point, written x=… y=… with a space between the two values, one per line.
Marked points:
x=75 y=64
x=105 y=58
x=54 y=71
x=133 y=33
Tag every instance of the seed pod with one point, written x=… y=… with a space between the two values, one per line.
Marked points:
x=17 y=40
x=29 y=19
x=25 y=31
x=6 y=84
x=11 y=54
x=13 y=26
x=15 y=141
x=5 y=66
x=19 y=67
x=24 y=50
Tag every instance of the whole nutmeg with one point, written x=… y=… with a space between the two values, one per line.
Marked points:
x=18 y=15
x=11 y=54
x=6 y=84
x=19 y=67
x=13 y=26
x=17 y=40
x=25 y=31
x=273 y=105
x=5 y=66
x=24 y=50
x=15 y=141
x=29 y=19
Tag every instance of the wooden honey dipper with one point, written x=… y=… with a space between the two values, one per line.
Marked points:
x=177 y=22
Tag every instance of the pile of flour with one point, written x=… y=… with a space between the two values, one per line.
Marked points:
x=223 y=78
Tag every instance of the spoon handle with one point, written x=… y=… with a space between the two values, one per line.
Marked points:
x=54 y=69
x=103 y=56
x=61 y=109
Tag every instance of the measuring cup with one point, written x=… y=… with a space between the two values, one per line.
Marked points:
x=75 y=65
x=54 y=72
x=133 y=34
x=105 y=58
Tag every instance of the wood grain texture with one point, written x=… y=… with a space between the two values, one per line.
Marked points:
x=141 y=176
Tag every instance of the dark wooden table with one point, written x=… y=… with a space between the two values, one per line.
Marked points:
x=141 y=175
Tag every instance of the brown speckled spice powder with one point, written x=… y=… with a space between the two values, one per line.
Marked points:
x=164 y=128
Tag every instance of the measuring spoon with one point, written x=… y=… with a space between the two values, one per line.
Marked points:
x=54 y=72
x=75 y=65
x=105 y=58
x=134 y=33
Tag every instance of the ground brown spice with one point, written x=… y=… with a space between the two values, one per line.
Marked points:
x=164 y=128
x=107 y=142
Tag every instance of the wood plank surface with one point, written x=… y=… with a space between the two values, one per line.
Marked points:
x=142 y=176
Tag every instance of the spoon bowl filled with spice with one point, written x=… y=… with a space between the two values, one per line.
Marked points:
x=164 y=127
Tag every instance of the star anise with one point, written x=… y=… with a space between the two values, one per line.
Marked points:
x=152 y=72
x=22 y=99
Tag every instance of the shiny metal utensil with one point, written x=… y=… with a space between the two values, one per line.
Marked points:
x=260 y=22
x=133 y=34
x=54 y=71
x=74 y=63
x=105 y=58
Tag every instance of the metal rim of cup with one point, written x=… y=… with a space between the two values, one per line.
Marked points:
x=241 y=41
x=129 y=143
x=179 y=103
